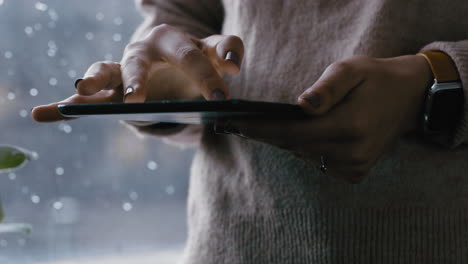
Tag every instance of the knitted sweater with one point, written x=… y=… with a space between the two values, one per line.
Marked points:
x=253 y=203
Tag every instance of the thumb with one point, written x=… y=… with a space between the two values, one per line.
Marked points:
x=226 y=53
x=334 y=84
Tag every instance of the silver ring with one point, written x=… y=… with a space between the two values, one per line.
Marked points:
x=323 y=167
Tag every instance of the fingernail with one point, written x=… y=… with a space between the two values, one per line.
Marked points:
x=312 y=99
x=217 y=94
x=129 y=91
x=226 y=128
x=77 y=82
x=233 y=57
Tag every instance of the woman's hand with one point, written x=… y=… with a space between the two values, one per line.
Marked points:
x=166 y=65
x=359 y=107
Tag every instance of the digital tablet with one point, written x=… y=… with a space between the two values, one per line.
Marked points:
x=186 y=112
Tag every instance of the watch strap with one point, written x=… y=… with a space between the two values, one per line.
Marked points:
x=442 y=66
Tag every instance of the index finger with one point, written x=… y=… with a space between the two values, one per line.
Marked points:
x=166 y=44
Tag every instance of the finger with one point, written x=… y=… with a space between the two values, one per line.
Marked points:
x=179 y=50
x=226 y=51
x=334 y=84
x=334 y=126
x=135 y=67
x=99 y=76
x=50 y=113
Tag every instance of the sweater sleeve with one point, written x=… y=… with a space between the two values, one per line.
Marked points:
x=458 y=51
x=200 y=19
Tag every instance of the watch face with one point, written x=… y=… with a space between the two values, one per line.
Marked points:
x=446 y=109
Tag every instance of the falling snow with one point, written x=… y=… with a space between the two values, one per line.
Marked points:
x=33 y=92
x=89 y=35
x=170 y=189
x=126 y=206
x=11 y=96
x=57 y=205
x=41 y=6
x=8 y=55
x=11 y=176
x=152 y=165
x=65 y=127
x=23 y=113
x=35 y=199
x=59 y=171
x=53 y=81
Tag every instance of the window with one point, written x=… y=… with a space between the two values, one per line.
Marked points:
x=97 y=193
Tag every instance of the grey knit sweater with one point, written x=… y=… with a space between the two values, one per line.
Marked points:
x=253 y=203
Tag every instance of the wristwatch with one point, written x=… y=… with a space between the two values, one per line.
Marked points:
x=444 y=99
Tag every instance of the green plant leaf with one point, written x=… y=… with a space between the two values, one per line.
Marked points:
x=13 y=157
x=15 y=228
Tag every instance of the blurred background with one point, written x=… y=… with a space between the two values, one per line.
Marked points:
x=97 y=193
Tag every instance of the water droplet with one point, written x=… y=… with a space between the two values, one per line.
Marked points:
x=99 y=16
x=35 y=199
x=33 y=92
x=1 y=2
x=53 y=81
x=23 y=113
x=133 y=195
x=57 y=205
x=3 y=243
x=28 y=30
x=51 y=44
x=11 y=96
x=11 y=176
x=65 y=128
x=127 y=206
x=38 y=26
x=118 y=21
x=72 y=74
x=152 y=165
x=89 y=36
x=40 y=6
x=51 y=52
x=117 y=37
x=8 y=54
x=170 y=189
x=53 y=14
x=59 y=171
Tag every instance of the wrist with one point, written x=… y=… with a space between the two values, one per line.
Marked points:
x=422 y=78
x=444 y=98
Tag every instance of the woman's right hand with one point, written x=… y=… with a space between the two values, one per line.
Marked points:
x=167 y=65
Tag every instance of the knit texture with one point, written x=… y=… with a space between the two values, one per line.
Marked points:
x=253 y=203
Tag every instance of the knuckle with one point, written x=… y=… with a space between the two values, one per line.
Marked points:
x=342 y=67
x=188 y=54
x=159 y=30
x=133 y=80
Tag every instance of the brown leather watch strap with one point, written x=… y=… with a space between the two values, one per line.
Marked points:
x=442 y=66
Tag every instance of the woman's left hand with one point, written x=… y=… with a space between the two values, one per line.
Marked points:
x=359 y=107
